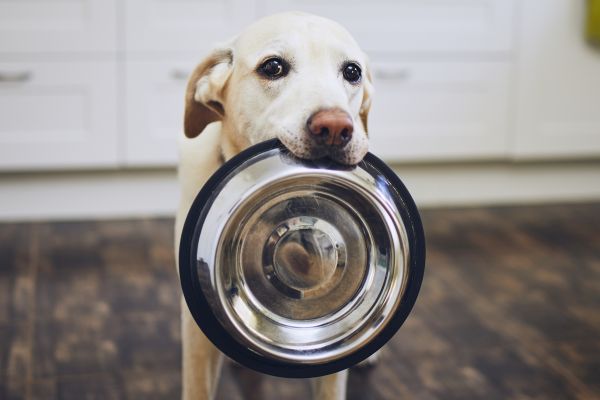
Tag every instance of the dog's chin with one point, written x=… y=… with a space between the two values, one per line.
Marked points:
x=350 y=156
x=305 y=149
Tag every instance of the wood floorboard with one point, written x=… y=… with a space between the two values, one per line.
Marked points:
x=508 y=310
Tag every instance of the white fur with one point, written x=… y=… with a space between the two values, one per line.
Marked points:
x=249 y=109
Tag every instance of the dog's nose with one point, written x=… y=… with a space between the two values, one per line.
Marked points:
x=332 y=127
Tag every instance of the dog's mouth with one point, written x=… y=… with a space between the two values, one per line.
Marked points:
x=307 y=149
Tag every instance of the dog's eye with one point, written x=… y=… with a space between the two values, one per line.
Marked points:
x=274 y=68
x=352 y=73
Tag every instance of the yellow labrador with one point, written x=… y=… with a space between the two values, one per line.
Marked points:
x=294 y=76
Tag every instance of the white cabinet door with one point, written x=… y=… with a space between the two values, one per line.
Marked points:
x=439 y=110
x=57 y=25
x=183 y=25
x=415 y=25
x=57 y=115
x=154 y=110
x=558 y=104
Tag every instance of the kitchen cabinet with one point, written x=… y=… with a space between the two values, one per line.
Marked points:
x=384 y=26
x=100 y=83
x=440 y=110
x=188 y=26
x=558 y=83
x=154 y=92
x=58 y=115
x=52 y=26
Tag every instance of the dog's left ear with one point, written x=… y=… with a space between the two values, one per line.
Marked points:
x=205 y=91
x=368 y=91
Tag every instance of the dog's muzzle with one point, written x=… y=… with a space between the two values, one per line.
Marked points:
x=298 y=268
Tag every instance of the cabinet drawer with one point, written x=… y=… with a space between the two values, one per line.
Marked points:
x=439 y=111
x=415 y=25
x=558 y=76
x=57 y=115
x=154 y=110
x=183 y=25
x=57 y=25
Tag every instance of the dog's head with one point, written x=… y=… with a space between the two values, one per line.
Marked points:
x=297 y=77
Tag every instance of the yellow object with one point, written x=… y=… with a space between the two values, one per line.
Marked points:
x=592 y=31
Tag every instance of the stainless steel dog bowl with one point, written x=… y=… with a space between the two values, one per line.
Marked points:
x=301 y=268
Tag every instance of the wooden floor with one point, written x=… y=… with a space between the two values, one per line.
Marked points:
x=510 y=308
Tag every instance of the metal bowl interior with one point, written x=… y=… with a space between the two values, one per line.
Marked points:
x=299 y=268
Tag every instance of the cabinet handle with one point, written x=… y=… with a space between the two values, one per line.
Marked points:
x=179 y=75
x=399 y=74
x=19 y=76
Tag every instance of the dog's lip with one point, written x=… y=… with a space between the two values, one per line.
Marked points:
x=316 y=152
x=327 y=162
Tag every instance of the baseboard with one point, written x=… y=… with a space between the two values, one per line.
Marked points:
x=88 y=195
x=147 y=193
x=473 y=184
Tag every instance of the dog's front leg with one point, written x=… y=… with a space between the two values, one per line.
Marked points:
x=201 y=361
x=330 y=387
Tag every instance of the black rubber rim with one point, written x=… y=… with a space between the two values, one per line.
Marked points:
x=219 y=336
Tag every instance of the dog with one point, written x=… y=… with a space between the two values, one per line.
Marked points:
x=297 y=77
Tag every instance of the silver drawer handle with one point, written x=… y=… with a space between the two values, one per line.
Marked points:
x=20 y=76
x=179 y=75
x=392 y=74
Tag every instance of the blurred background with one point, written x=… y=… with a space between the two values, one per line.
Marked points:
x=479 y=104
x=478 y=101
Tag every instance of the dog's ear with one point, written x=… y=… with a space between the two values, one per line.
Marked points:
x=205 y=91
x=367 y=95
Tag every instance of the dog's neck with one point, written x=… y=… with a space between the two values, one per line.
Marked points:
x=229 y=146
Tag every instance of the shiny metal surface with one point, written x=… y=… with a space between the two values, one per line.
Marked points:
x=302 y=264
